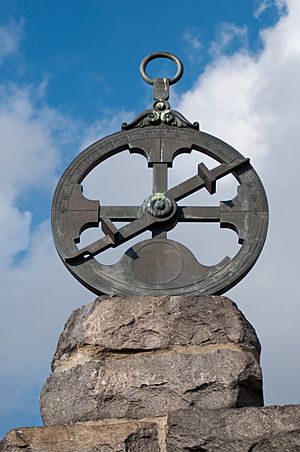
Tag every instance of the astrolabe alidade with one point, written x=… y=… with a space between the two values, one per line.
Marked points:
x=159 y=266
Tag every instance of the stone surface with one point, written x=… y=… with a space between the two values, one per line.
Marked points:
x=151 y=384
x=261 y=429
x=142 y=436
x=240 y=430
x=146 y=356
x=148 y=323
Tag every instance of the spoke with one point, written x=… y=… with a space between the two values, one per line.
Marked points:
x=120 y=213
x=186 y=188
x=203 y=214
x=90 y=250
x=124 y=234
x=193 y=184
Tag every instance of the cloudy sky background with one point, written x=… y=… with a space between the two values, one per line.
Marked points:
x=69 y=76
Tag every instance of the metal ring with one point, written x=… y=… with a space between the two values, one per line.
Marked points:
x=156 y=55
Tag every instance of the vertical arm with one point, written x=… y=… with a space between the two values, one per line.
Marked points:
x=160 y=177
x=160 y=185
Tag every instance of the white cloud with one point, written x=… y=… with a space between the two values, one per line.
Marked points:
x=15 y=230
x=30 y=155
x=32 y=137
x=10 y=35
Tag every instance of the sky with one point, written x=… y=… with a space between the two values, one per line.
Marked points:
x=68 y=77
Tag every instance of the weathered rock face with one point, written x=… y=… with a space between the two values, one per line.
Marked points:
x=147 y=323
x=147 y=356
x=240 y=430
x=275 y=429
x=88 y=437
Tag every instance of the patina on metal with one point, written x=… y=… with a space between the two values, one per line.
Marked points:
x=159 y=266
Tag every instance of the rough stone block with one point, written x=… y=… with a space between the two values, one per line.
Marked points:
x=151 y=384
x=147 y=356
x=143 y=323
x=275 y=428
x=142 y=436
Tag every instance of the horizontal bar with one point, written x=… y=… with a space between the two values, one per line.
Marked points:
x=121 y=213
x=203 y=214
x=186 y=213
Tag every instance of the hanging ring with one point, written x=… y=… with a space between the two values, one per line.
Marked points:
x=156 y=55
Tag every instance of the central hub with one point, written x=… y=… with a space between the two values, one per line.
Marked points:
x=158 y=205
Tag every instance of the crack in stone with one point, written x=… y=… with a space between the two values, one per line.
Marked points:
x=86 y=353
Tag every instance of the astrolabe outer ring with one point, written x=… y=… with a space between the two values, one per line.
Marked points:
x=92 y=274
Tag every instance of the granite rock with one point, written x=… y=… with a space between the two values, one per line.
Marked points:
x=265 y=429
x=151 y=384
x=142 y=436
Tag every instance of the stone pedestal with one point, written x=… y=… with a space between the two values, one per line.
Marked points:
x=147 y=356
x=157 y=374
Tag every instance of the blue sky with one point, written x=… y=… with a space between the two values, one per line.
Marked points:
x=68 y=76
x=84 y=49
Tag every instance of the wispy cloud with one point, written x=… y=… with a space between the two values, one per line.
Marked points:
x=10 y=37
x=261 y=6
x=192 y=40
x=229 y=38
x=192 y=43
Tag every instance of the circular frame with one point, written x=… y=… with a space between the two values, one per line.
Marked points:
x=100 y=278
